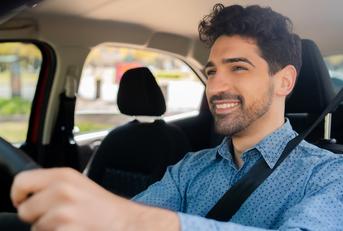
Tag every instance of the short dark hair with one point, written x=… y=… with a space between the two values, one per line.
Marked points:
x=272 y=32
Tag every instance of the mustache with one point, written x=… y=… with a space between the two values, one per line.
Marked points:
x=226 y=96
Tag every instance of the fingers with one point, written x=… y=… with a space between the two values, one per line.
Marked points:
x=71 y=227
x=33 y=181
x=33 y=208
x=59 y=218
x=63 y=199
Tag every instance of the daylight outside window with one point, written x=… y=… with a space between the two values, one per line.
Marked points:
x=335 y=66
x=20 y=65
x=96 y=107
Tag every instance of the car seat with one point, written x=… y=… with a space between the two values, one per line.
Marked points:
x=134 y=155
x=312 y=94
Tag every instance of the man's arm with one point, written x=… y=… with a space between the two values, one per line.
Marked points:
x=54 y=198
x=63 y=199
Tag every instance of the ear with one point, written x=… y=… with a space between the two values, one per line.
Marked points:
x=286 y=79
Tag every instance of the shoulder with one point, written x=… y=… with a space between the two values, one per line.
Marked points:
x=326 y=167
x=317 y=155
x=195 y=162
x=199 y=158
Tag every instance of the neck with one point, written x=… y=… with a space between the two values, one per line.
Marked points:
x=254 y=133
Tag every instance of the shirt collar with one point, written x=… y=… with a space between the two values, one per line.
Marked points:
x=270 y=147
x=224 y=150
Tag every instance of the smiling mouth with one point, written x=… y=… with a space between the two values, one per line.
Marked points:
x=224 y=107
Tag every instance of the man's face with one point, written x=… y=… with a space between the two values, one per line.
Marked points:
x=239 y=87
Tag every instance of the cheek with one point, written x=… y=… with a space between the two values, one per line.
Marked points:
x=208 y=95
x=254 y=90
x=211 y=89
x=207 y=91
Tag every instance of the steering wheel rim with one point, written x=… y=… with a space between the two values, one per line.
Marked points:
x=14 y=160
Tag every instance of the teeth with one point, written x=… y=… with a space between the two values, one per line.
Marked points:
x=226 y=105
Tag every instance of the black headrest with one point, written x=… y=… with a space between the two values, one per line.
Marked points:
x=313 y=90
x=139 y=94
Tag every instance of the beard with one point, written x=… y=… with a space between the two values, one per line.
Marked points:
x=243 y=116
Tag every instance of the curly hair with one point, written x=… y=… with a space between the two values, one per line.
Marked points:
x=278 y=45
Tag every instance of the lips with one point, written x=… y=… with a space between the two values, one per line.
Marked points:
x=226 y=105
x=223 y=107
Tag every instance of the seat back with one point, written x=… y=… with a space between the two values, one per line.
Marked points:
x=312 y=93
x=136 y=154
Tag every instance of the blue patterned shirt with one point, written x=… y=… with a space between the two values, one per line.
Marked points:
x=304 y=193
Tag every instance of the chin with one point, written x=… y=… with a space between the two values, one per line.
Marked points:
x=228 y=129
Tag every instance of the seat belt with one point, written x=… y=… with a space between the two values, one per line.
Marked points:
x=232 y=200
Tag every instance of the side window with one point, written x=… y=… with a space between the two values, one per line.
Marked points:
x=335 y=66
x=96 y=107
x=20 y=64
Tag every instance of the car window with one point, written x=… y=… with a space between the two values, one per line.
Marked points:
x=96 y=107
x=20 y=65
x=335 y=66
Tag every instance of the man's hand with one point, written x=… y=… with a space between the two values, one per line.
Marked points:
x=63 y=199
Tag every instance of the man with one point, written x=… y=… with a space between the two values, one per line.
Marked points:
x=252 y=67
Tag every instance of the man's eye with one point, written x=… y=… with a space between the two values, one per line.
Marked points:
x=210 y=73
x=239 y=68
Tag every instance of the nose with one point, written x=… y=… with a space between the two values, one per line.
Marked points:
x=220 y=82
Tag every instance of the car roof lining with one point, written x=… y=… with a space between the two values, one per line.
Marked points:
x=182 y=17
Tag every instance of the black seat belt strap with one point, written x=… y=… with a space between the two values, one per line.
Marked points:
x=232 y=200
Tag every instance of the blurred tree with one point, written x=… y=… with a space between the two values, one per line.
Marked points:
x=17 y=56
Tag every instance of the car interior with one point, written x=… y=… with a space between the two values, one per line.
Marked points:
x=136 y=154
x=127 y=157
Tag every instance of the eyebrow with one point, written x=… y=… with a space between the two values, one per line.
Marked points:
x=239 y=59
x=230 y=60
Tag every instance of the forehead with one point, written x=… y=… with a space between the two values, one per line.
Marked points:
x=234 y=46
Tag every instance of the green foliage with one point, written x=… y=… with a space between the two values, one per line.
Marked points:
x=14 y=131
x=88 y=126
x=169 y=74
x=14 y=106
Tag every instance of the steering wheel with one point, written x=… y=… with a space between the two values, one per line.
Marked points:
x=14 y=160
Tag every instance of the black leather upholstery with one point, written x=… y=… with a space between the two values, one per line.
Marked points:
x=313 y=90
x=139 y=94
x=312 y=93
x=134 y=155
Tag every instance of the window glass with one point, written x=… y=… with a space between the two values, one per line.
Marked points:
x=335 y=66
x=20 y=64
x=96 y=107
